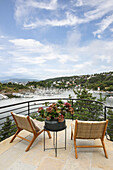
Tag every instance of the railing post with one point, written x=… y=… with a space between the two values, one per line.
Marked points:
x=28 y=109
x=105 y=113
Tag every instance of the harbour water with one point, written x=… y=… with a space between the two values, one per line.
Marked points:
x=65 y=93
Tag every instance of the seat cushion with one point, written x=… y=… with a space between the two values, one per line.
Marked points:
x=38 y=125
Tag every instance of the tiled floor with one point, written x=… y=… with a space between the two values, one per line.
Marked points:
x=14 y=157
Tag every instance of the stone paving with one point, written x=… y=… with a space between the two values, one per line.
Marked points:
x=14 y=157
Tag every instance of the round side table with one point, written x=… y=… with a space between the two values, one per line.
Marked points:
x=55 y=126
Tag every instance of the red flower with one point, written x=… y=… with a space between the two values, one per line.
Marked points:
x=61 y=116
x=40 y=109
x=71 y=110
x=49 y=109
x=67 y=104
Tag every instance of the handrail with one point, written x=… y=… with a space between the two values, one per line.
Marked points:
x=27 y=106
x=61 y=98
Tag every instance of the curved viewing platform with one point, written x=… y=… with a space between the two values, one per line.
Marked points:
x=13 y=155
x=83 y=110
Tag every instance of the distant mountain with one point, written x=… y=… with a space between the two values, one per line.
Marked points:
x=18 y=80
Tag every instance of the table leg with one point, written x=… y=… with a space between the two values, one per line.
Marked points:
x=54 y=139
x=56 y=146
x=55 y=142
x=65 y=139
x=44 y=140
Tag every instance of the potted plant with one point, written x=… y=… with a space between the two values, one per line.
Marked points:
x=56 y=110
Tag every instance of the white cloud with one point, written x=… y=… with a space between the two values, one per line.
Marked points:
x=30 y=51
x=56 y=70
x=48 y=5
x=108 y=59
x=59 y=51
x=111 y=29
x=23 y=9
x=71 y=57
x=31 y=15
x=79 y=3
x=2 y=36
x=30 y=60
x=31 y=45
x=1 y=48
x=104 y=24
x=87 y=66
x=17 y=70
x=73 y=38
x=101 y=8
x=99 y=36
x=96 y=57
x=1 y=58
x=70 y=20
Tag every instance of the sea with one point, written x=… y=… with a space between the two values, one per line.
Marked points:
x=48 y=95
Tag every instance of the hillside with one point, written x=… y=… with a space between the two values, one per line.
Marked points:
x=18 y=80
x=103 y=80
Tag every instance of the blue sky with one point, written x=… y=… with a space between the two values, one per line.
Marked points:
x=42 y=39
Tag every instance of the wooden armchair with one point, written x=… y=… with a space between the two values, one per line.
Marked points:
x=89 y=130
x=27 y=123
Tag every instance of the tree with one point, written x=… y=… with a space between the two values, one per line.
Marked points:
x=110 y=124
x=86 y=108
x=7 y=129
x=84 y=94
x=1 y=86
x=102 y=99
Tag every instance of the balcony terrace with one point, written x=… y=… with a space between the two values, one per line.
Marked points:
x=14 y=157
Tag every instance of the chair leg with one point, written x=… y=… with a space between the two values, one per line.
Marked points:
x=103 y=144
x=76 y=156
x=49 y=134
x=33 y=139
x=71 y=133
x=15 y=135
x=31 y=143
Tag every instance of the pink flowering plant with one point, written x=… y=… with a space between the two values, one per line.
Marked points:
x=56 y=110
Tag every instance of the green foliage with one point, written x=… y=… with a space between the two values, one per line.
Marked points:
x=12 y=87
x=110 y=88
x=55 y=110
x=84 y=94
x=35 y=116
x=0 y=86
x=12 y=96
x=7 y=129
x=110 y=124
x=87 y=108
x=102 y=99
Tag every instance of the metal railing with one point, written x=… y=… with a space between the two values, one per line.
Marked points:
x=109 y=115
x=83 y=109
